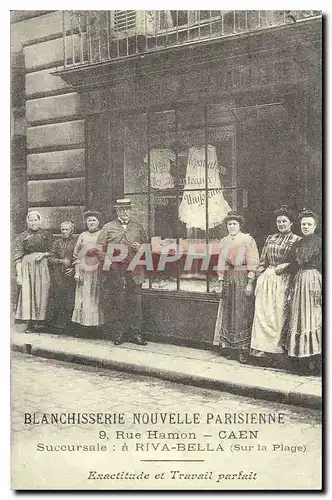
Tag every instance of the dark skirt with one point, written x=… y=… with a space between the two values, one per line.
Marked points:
x=235 y=314
x=63 y=297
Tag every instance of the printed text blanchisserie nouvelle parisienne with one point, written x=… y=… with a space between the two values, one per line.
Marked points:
x=139 y=418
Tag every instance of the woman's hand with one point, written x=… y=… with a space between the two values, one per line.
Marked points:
x=280 y=268
x=65 y=262
x=69 y=272
x=249 y=289
x=19 y=279
x=41 y=256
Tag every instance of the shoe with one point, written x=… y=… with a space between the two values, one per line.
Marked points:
x=259 y=354
x=31 y=328
x=242 y=358
x=229 y=355
x=138 y=339
x=119 y=339
x=40 y=328
x=226 y=353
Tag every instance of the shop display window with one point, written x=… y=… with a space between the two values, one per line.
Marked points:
x=180 y=172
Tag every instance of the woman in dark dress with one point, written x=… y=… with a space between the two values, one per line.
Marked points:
x=236 y=280
x=31 y=254
x=63 y=283
x=303 y=330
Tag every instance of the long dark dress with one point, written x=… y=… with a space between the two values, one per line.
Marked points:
x=303 y=329
x=63 y=287
x=34 y=293
x=236 y=309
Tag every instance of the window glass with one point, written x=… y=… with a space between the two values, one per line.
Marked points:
x=163 y=191
x=192 y=192
x=221 y=132
x=180 y=172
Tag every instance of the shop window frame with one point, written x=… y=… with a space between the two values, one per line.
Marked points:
x=240 y=193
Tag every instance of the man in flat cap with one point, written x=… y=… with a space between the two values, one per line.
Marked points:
x=122 y=296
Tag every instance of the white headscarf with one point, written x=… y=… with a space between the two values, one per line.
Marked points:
x=33 y=212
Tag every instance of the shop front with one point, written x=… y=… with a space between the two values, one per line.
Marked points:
x=193 y=132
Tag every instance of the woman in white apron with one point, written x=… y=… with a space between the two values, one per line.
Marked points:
x=31 y=254
x=87 y=309
x=273 y=276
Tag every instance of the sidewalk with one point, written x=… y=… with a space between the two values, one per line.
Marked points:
x=178 y=364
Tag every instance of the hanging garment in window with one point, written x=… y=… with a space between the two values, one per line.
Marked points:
x=160 y=164
x=192 y=209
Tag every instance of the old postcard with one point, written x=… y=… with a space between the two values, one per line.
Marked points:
x=166 y=220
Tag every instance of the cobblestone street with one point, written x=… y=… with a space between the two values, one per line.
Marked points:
x=48 y=386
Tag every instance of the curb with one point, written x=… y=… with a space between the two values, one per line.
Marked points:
x=292 y=398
